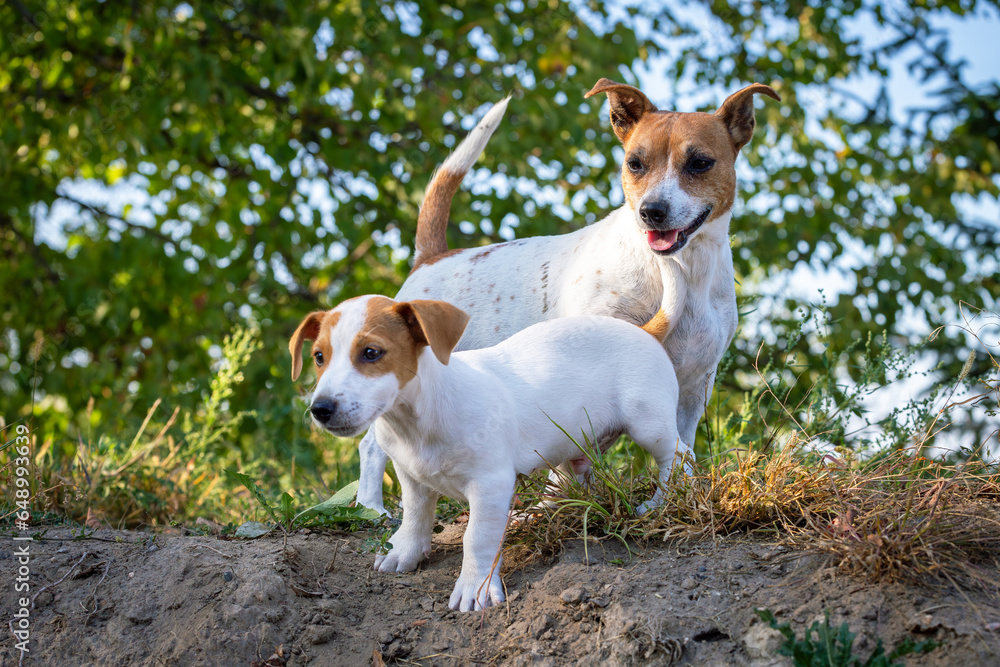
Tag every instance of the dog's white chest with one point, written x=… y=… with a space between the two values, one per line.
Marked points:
x=432 y=464
x=701 y=335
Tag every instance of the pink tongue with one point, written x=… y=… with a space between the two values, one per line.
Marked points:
x=661 y=240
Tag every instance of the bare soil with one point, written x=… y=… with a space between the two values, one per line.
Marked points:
x=313 y=599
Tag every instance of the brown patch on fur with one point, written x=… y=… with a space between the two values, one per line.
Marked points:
x=628 y=105
x=483 y=254
x=658 y=326
x=738 y=115
x=432 y=223
x=480 y=254
x=437 y=258
x=435 y=323
x=665 y=142
x=387 y=330
x=316 y=327
x=400 y=330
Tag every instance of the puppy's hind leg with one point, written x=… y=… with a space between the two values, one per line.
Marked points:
x=373 y=462
x=667 y=450
x=557 y=480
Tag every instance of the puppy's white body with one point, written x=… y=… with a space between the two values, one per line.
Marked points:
x=466 y=430
x=466 y=424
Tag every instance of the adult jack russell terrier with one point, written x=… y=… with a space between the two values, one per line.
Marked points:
x=466 y=424
x=667 y=245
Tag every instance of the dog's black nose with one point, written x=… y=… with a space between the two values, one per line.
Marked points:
x=323 y=410
x=654 y=212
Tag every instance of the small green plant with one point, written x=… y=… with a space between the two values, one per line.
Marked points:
x=834 y=647
x=334 y=510
x=163 y=472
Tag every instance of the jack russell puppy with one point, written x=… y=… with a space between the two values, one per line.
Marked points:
x=466 y=424
x=668 y=246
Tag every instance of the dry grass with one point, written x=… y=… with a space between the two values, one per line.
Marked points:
x=902 y=517
x=912 y=519
x=892 y=515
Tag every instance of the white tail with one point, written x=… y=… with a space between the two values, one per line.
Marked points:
x=432 y=224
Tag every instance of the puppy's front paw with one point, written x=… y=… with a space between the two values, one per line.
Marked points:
x=403 y=558
x=474 y=595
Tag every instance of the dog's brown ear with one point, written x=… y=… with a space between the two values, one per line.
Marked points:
x=628 y=105
x=737 y=113
x=308 y=330
x=434 y=323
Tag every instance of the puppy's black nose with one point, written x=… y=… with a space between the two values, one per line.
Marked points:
x=654 y=213
x=323 y=410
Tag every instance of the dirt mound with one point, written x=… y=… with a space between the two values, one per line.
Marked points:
x=314 y=599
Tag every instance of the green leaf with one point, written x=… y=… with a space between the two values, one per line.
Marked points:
x=251 y=486
x=287 y=507
x=335 y=509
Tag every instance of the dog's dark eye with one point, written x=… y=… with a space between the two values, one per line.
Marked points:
x=634 y=165
x=371 y=354
x=318 y=357
x=700 y=165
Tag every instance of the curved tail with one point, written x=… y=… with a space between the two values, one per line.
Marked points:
x=658 y=326
x=432 y=223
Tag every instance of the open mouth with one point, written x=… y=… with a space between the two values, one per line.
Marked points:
x=670 y=241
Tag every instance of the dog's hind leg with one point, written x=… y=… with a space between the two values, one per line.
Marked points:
x=373 y=462
x=668 y=450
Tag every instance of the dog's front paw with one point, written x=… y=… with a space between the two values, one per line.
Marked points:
x=474 y=595
x=404 y=558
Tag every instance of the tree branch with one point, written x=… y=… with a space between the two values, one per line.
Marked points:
x=97 y=211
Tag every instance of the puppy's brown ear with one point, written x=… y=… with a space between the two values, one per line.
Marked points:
x=628 y=105
x=434 y=323
x=737 y=113
x=308 y=330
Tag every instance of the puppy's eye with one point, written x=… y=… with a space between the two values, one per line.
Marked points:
x=318 y=357
x=700 y=165
x=371 y=354
x=634 y=165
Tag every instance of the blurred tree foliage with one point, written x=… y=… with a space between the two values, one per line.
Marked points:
x=274 y=156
